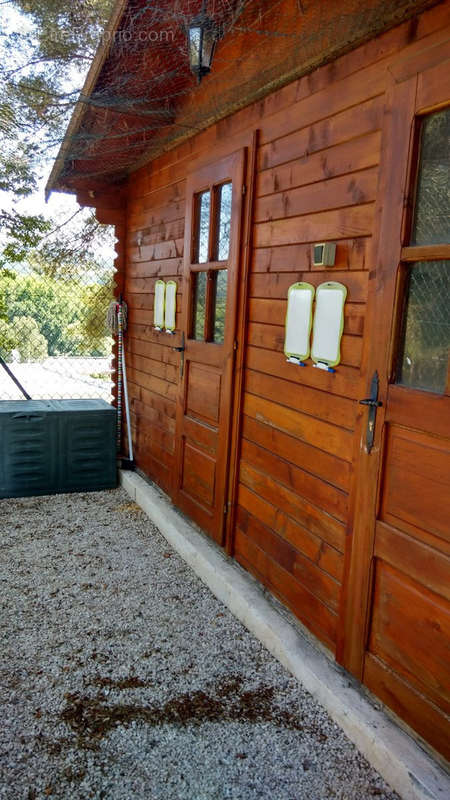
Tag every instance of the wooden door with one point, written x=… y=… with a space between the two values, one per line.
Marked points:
x=397 y=636
x=211 y=267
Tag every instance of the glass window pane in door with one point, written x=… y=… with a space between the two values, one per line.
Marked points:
x=199 y=306
x=224 y=197
x=201 y=247
x=220 y=305
x=425 y=342
x=432 y=205
x=195 y=41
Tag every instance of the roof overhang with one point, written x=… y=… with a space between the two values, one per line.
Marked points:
x=140 y=99
x=89 y=84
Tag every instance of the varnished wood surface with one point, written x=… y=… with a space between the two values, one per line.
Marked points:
x=396 y=634
x=295 y=480
x=205 y=390
x=410 y=705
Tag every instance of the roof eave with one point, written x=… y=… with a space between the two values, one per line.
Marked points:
x=89 y=84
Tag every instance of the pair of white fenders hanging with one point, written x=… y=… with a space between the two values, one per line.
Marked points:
x=165 y=308
x=327 y=326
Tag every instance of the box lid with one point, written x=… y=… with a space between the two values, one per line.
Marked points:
x=60 y=406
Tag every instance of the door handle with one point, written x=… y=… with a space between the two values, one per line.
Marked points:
x=373 y=403
x=181 y=350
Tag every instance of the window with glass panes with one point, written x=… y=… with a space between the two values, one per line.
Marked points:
x=424 y=339
x=211 y=249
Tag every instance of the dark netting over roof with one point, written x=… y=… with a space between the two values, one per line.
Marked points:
x=141 y=98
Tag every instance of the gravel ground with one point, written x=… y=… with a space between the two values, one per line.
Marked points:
x=123 y=677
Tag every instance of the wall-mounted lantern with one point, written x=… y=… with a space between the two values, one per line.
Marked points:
x=202 y=37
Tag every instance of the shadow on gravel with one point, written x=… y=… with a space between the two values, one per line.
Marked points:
x=91 y=718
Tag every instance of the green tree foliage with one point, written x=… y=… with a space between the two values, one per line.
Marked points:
x=50 y=303
x=8 y=339
x=15 y=171
x=23 y=233
x=54 y=276
x=74 y=248
x=28 y=340
x=69 y=315
x=58 y=42
x=40 y=62
x=61 y=26
x=95 y=334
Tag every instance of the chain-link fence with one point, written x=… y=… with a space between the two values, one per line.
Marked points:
x=53 y=333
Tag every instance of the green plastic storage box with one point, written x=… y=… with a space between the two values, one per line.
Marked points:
x=53 y=446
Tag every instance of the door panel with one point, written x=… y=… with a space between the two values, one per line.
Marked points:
x=416 y=481
x=199 y=472
x=410 y=704
x=211 y=266
x=423 y=562
x=410 y=632
x=419 y=410
x=398 y=601
x=203 y=395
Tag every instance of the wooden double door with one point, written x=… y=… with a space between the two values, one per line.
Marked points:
x=397 y=623
x=210 y=286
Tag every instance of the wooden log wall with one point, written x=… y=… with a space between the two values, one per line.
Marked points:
x=152 y=365
x=317 y=174
x=317 y=181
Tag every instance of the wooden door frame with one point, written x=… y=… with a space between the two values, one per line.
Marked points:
x=194 y=185
x=409 y=94
x=241 y=333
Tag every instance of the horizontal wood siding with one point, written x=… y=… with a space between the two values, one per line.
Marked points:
x=317 y=178
x=317 y=181
x=152 y=365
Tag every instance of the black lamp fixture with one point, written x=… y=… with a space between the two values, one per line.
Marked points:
x=202 y=36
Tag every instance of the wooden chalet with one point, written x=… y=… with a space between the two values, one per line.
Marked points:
x=319 y=122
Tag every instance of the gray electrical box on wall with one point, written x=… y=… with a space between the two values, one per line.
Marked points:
x=53 y=446
x=324 y=254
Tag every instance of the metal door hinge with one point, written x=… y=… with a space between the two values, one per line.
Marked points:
x=244 y=189
x=235 y=344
